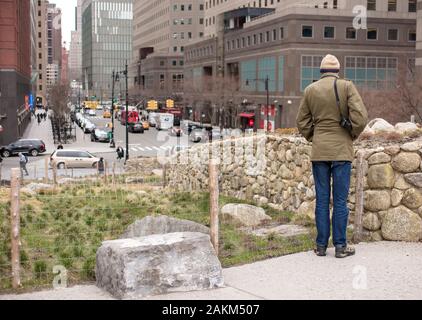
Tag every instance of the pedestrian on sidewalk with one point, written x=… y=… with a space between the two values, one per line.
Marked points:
x=101 y=166
x=23 y=160
x=331 y=116
x=120 y=153
x=60 y=147
x=39 y=118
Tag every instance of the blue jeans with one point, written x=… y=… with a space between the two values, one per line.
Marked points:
x=340 y=172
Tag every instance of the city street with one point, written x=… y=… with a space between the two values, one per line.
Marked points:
x=152 y=143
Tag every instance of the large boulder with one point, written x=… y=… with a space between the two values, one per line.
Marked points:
x=379 y=125
x=381 y=176
x=158 y=264
x=377 y=200
x=244 y=215
x=402 y=224
x=406 y=162
x=160 y=225
x=39 y=187
x=406 y=127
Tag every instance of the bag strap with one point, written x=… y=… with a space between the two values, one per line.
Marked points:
x=338 y=100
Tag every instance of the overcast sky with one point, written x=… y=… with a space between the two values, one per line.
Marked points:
x=68 y=18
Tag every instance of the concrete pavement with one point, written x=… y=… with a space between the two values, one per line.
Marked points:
x=383 y=270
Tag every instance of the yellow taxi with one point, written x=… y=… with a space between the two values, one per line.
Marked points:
x=145 y=124
x=109 y=125
x=107 y=114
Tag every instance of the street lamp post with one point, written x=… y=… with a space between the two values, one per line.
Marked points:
x=112 y=143
x=116 y=78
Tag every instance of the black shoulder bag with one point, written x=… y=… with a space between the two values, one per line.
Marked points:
x=345 y=121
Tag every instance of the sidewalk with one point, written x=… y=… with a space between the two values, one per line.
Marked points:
x=44 y=132
x=383 y=270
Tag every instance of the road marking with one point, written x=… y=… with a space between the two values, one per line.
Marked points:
x=148 y=148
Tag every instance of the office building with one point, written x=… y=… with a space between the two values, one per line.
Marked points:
x=286 y=45
x=54 y=43
x=106 y=43
x=41 y=53
x=15 y=68
x=161 y=30
x=75 y=52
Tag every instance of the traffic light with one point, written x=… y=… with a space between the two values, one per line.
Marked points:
x=152 y=105
x=170 y=103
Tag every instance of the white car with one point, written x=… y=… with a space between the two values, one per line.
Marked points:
x=89 y=127
x=99 y=107
x=92 y=113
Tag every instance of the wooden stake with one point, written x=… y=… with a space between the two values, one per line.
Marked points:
x=357 y=231
x=214 y=208
x=164 y=175
x=114 y=173
x=15 y=228
x=54 y=174
x=105 y=172
x=46 y=170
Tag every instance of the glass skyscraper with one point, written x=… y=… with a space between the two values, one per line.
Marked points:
x=106 y=43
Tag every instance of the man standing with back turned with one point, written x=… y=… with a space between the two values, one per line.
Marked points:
x=331 y=116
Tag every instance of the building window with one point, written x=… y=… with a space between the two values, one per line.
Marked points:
x=307 y=32
x=281 y=33
x=392 y=5
x=393 y=34
x=248 y=75
x=372 y=72
x=267 y=69
x=372 y=34
x=412 y=6
x=371 y=5
x=351 y=33
x=310 y=70
x=412 y=35
x=281 y=74
x=329 y=32
x=162 y=81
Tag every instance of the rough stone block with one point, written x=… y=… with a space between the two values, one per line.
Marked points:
x=158 y=264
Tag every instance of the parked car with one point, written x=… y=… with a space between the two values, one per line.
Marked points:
x=89 y=127
x=135 y=128
x=99 y=107
x=101 y=135
x=198 y=135
x=32 y=147
x=73 y=159
x=92 y=113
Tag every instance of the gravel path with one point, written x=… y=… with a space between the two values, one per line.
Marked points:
x=383 y=270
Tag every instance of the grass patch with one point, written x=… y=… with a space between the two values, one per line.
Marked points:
x=67 y=227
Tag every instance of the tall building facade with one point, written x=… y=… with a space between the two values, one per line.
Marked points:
x=54 y=43
x=106 y=43
x=15 y=68
x=64 y=73
x=41 y=53
x=215 y=8
x=75 y=52
x=286 y=45
x=161 y=31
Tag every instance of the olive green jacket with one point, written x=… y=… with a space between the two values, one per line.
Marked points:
x=319 y=118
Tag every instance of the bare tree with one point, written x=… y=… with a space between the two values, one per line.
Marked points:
x=395 y=104
x=58 y=100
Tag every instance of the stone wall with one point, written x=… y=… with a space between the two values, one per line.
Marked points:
x=276 y=170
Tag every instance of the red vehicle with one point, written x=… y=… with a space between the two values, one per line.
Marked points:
x=132 y=118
